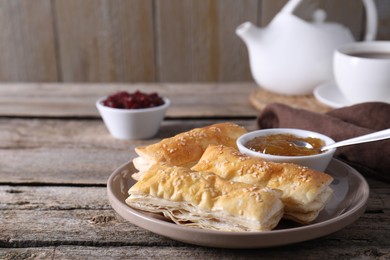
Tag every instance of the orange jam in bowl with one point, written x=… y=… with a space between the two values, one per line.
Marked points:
x=301 y=156
x=282 y=144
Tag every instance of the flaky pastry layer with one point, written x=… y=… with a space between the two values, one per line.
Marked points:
x=305 y=191
x=185 y=149
x=205 y=200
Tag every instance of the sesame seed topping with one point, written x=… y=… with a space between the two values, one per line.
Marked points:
x=172 y=150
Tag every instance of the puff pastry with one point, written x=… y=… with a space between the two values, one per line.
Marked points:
x=205 y=200
x=305 y=191
x=185 y=149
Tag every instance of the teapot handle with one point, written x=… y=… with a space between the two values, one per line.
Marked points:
x=372 y=20
x=371 y=16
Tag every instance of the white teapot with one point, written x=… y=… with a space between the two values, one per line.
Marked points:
x=292 y=56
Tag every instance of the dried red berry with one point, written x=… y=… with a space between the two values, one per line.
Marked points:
x=136 y=100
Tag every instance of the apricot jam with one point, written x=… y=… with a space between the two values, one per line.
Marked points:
x=281 y=144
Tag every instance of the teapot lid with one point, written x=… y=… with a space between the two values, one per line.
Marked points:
x=320 y=16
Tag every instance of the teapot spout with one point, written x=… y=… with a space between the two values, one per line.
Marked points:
x=249 y=33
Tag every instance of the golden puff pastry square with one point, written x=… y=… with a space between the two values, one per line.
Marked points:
x=305 y=191
x=205 y=200
x=185 y=149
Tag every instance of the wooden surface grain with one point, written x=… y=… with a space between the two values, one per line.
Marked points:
x=53 y=174
x=70 y=221
x=145 y=40
x=72 y=151
x=213 y=99
x=196 y=40
x=78 y=100
x=105 y=41
x=27 y=41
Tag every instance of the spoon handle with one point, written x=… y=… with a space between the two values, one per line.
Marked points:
x=380 y=135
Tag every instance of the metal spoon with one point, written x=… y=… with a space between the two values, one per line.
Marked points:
x=380 y=135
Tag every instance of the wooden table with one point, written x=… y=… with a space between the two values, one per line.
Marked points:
x=56 y=156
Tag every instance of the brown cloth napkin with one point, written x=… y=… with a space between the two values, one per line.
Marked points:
x=370 y=159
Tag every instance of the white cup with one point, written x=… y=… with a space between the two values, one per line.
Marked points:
x=362 y=71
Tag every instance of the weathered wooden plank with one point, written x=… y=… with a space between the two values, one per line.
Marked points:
x=77 y=230
x=27 y=41
x=78 y=100
x=105 y=41
x=57 y=198
x=383 y=8
x=196 y=40
x=81 y=216
x=60 y=165
x=71 y=151
x=233 y=62
x=72 y=227
x=129 y=40
x=58 y=133
x=300 y=251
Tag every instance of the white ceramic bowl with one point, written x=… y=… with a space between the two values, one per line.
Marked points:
x=141 y=123
x=318 y=162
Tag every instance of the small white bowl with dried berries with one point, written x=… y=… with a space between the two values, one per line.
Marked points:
x=135 y=115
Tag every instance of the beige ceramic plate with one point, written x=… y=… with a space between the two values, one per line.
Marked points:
x=351 y=192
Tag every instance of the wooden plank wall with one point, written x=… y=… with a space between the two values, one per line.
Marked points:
x=143 y=40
